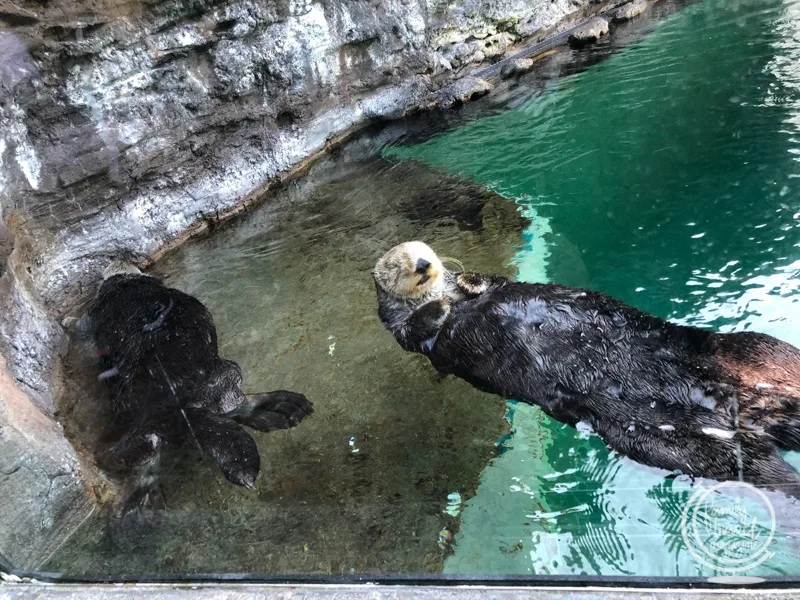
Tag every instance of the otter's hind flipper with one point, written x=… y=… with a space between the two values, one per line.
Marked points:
x=230 y=446
x=271 y=411
x=473 y=285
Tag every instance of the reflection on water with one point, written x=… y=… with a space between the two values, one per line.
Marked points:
x=666 y=176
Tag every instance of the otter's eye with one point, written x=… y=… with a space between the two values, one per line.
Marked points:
x=422 y=266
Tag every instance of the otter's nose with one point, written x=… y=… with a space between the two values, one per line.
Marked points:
x=422 y=266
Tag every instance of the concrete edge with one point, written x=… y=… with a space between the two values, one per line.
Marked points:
x=245 y=591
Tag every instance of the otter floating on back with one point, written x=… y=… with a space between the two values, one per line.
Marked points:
x=168 y=385
x=665 y=395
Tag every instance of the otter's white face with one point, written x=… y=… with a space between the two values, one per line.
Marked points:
x=120 y=267
x=409 y=270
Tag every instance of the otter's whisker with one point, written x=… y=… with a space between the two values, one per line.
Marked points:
x=453 y=261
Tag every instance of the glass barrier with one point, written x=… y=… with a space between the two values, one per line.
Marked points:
x=293 y=413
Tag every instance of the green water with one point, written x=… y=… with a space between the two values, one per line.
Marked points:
x=666 y=176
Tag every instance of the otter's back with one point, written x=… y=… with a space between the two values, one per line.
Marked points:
x=577 y=352
x=160 y=340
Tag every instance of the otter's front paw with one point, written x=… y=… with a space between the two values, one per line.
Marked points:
x=424 y=324
x=445 y=306
x=82 y=327
x=472 y=284
x=433 y=314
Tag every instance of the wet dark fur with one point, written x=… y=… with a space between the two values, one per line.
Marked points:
x=168 y=385
x=583 y=356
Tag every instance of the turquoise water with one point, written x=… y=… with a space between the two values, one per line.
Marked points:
x=667 y=176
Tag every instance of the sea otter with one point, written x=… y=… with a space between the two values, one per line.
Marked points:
x=157 y=348
x=679 y=398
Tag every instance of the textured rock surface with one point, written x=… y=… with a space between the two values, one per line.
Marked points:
x=6 y=245
x=126 y=124
x=43 y=494
x=516 y=67
x=462 y=90
x=30 y=341
x=629 y=11
x=589 y=33
x=129 y=123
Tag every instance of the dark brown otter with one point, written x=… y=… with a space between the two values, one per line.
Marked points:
x=679 y=398
x=157 y=348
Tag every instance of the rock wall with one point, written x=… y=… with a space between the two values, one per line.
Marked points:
x=125 y=125
x=128 y=122
x=44 y=493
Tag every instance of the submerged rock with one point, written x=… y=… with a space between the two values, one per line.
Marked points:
x=629 y=11
x=462 y=91
x=589 y=33
x=516 y=67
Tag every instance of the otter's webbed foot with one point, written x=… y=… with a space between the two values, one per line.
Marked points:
x=230 y=446
x=271 y=411
x=424 y=323
x=473 y=284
